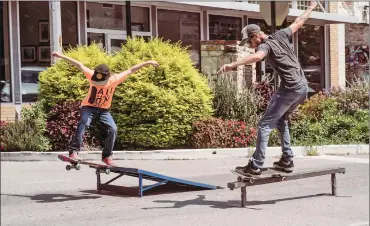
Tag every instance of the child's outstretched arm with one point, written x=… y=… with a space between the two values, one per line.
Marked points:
x=123 y=75
x=87 y=71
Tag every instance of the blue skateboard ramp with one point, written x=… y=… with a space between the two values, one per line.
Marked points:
x=161 y=180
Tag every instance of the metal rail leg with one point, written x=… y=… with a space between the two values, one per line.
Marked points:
x=98 y=179
x=244 y=196
x=333 y=184
x=140 y=185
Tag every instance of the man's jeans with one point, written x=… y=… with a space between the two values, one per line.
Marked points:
x=106 y=118
x=281 y=105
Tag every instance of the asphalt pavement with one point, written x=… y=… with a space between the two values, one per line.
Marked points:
x=44 y=193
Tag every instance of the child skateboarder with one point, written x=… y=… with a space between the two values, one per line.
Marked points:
x=279 y=53
x=98 y=101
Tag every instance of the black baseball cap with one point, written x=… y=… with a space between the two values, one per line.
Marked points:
x=103 y=69
x=248 y=31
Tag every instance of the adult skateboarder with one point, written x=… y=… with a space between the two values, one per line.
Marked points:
x=279 y=53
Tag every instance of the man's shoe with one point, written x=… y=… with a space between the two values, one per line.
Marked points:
x=282 y=165
x=248 y=170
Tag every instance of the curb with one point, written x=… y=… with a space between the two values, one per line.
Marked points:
x=192 y=154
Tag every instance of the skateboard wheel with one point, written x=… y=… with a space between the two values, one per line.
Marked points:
x=68 y=167
x=251 y=180
x=240 y=179
x=78 y=167
x=283 y=179
x=106 y=171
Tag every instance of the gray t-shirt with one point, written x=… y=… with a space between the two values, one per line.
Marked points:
x=280 y=56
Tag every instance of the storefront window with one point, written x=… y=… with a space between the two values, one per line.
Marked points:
x=184 y=26
x=113 y=17
x=104 y=16
x=34 y=45
x=224 y=27
x=69 y=23
x=139 y=19
x=97 y=38
x=311 y=54
x=5 y=79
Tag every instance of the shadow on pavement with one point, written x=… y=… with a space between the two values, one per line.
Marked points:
x=50 y=198
x=200 y=200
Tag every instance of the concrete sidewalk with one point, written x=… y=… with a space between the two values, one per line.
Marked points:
x=191 y=154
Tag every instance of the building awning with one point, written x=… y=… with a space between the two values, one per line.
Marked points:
x=317 y=18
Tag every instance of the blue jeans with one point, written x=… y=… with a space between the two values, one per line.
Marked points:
x=280 y=107
x=106 y=118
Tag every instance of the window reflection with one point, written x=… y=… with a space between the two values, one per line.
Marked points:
x=311 y=55
x=224 y=27
x=184 y=26
x=113 y=17
x=5 y=80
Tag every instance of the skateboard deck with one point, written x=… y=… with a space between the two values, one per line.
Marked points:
x=75 y=164
x=266 y=173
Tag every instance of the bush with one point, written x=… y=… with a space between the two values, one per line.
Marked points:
x=62 y=124
x=231 y=103
x=156 y=107
x=335 y=117
x=153 y=107
x=28 y=134
x=218 y=133
x=3 y=125
x=266 y=91
x=317 y=105
x=353 y=98
x=332 y=129
x=62 y=81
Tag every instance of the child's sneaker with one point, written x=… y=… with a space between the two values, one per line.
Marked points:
x=108 y=161
x=286 y=166
x=74 y=155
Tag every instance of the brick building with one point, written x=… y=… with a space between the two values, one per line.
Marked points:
x=31 y=30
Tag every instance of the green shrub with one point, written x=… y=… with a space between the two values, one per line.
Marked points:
x=353 y=98
x=231 y=103
x=63 y=81
x=156 y=107
x=316 y=106
x=153 y=107
x=28 y=134
x=336 y=117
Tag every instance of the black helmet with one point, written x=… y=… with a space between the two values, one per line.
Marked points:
x=101 y=73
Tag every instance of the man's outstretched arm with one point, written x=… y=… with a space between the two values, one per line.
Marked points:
x=299 y=21
x=253 y=58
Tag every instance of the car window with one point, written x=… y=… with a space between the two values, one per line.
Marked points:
x=30 y=76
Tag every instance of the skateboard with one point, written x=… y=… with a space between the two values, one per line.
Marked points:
x=266 y=173
x=76 y=164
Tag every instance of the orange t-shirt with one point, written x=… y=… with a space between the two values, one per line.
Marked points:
x=100 y=93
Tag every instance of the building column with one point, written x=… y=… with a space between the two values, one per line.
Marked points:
x=337 y=51
x=341 y=55
x=154 y=21
x=15 y=61
x=55 y=28
x=327 y=56
x=82 y=23
x=204 y=31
